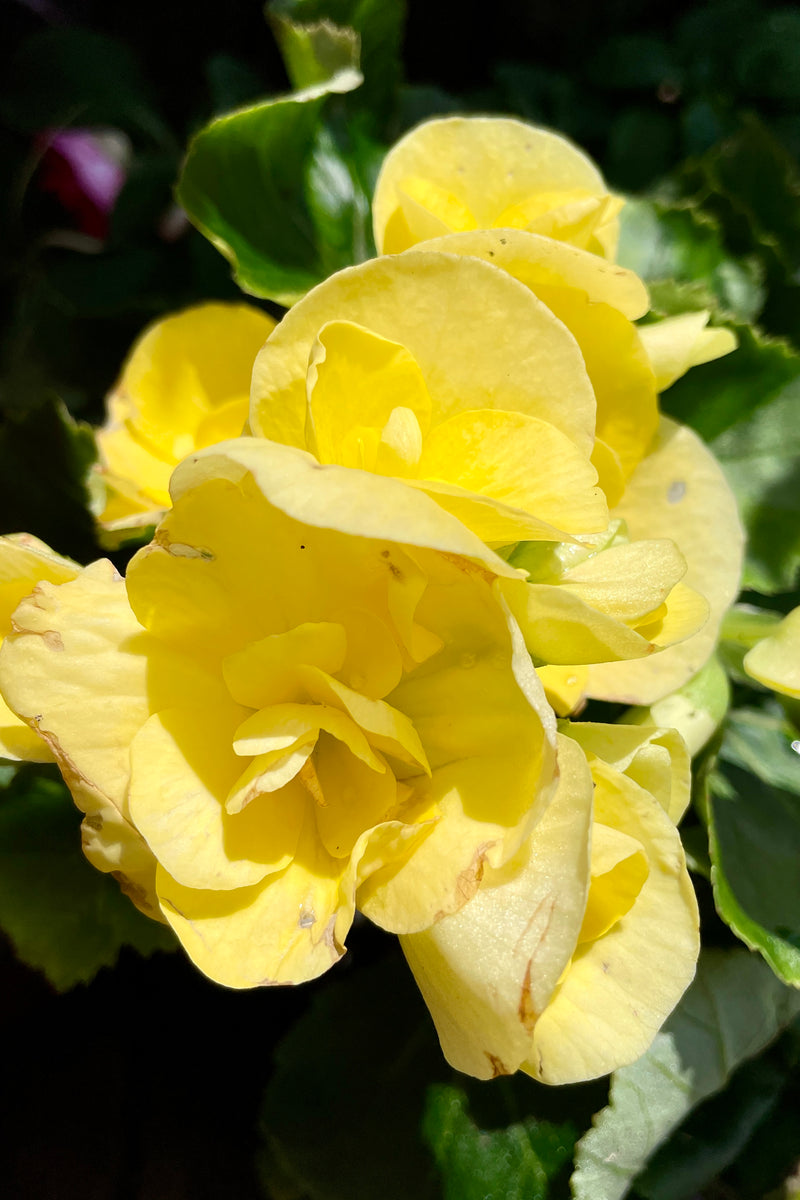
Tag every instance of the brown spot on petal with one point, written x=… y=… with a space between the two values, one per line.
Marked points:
x=525 y=1010
x=94 y=821
x=52 y=639
x=133 y=891
x=476 y=570
x=497 y=1065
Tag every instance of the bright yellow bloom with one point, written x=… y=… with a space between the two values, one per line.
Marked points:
x=568 y=959
x=465 y=177
x=457 y=174
x=499 y=372
x=307 y=696
x=775 y=660
x=24 y=563
x=184 y=386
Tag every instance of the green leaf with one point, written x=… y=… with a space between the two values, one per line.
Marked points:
x=679 y=243
x=754 y=838
x=245 y=185
x=315 y=53
x=751 y=184
x=515 y=1163
x=45 y=457
x=714 y=1135
x=745 y=407
x=734 y=1008
x=340 y=1118
x=379 y=26
x=62 y=916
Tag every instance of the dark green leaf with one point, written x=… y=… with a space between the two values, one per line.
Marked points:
x=379 y=25
x=754 y=838
x=515 y=1163
x=714 y=1135
x=63 y=916
x=246 y=184
x=680 y=243
x=315 y=53
x=341 y=1113
x=734 y=1008
x=44 y=461
x=642 y=145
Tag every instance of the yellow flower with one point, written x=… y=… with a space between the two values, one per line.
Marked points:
x=568 y=959
x=775 y=660
x=499 y=372
x=184 y=386
x=456 y=174
x=467 y=177
x=24 y=563
x=307 y=696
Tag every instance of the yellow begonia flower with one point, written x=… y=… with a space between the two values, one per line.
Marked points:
x=447 y=373
x=568 y=959
x=775 y=660
x=24 y=563
x=184 y=386
x=457 y=174
x=659 y=478
x=307 y=696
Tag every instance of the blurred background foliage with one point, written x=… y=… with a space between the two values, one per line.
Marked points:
x=147 y=1081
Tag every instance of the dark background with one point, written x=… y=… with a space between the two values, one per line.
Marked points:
x=146 y=1083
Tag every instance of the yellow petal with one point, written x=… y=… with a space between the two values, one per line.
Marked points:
x=619 y=869
x=184 y=385
x=610 y=477
x=559 y=628
x=434 y=305
x=655 y=758
x=265 y=672
x=280 y=725
x=65 y=662
x=487 y=971
x=543 y=263
x=695 y=711
x=270 y=772
x=490 y=740
x=620 y=371
x=775 y=660
x=287 y=929
x=519 y=460
x=679 y=492
x=627 y=581
x=494 y=522
x=187 y=365
x=429 y=210
x=356 y=797
x=571 y=216
x=487 y=164
x=617 y=993
x=565 y=687
x=675 y=344
x=356 y=380
x=182 y=769
x=24 y=562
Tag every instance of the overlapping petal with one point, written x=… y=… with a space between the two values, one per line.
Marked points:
x=184 y=386
x=456 y=174
x=775 y=660
x=25 y=562
x=556 y=966
x=252 y=755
